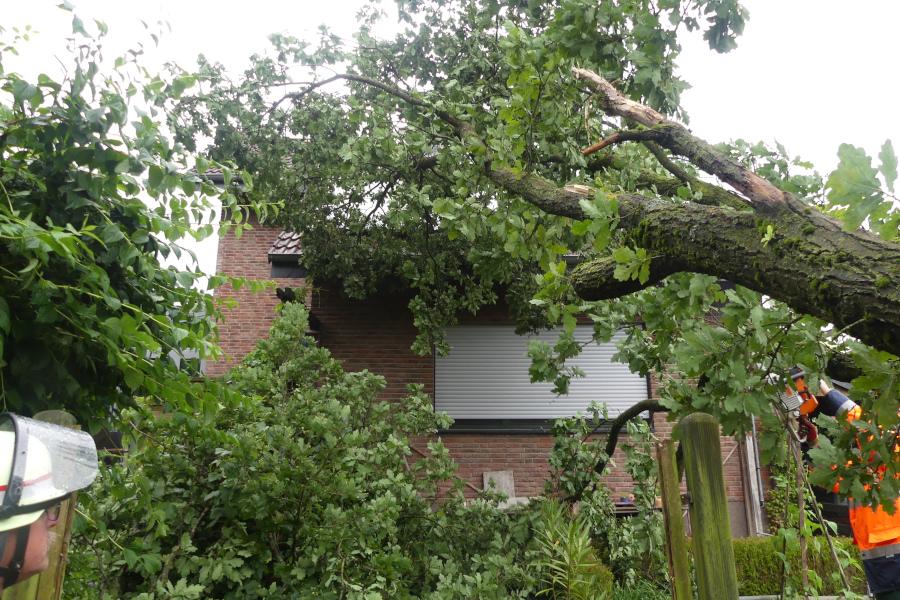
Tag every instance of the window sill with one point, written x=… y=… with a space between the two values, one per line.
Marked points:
x=510 y=426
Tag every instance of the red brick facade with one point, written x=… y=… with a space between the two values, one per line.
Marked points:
x=376 y=335
x=250 y=318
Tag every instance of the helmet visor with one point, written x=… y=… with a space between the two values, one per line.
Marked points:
x=49 y=462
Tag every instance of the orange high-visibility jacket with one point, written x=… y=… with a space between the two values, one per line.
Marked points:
x=874 y=527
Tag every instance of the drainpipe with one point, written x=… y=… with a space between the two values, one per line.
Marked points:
x=749 y=517
x=759 y=482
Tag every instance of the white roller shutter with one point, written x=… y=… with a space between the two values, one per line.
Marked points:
x=485 y=376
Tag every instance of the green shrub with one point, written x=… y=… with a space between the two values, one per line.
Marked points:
x=305 y=489
x=781 y=497
x=633 y=547
x=568 y=563
x=758 y=564
x=640 y=590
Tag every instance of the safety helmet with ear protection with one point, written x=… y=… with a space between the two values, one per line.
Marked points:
x=41 y=464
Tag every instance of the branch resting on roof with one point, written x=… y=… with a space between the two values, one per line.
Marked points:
x=851 y=279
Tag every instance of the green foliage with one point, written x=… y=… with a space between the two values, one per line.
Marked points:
x=388 y=194
x=822 y=573
x=568 y=563
x=788 y=525
x=633 y=547
x=303 y=485
x=781 y=495
x=306 y=489
x=758 y=563
x=791 y=174
x=781 y=551
x=723 y=365
x=631 y=264
x=640 y=590
x=575 y=453
x=548 y=362
x=856 y=193
x=862 y=455
x=93 y=199
x=385 y=194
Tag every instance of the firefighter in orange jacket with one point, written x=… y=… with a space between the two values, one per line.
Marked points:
x=875 y=532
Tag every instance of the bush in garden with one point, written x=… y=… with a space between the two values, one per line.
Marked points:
x=567 y=559
x=640 y=590
x=633 y=547
x=758 y=563
x=304 y=489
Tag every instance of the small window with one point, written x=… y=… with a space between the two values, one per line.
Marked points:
x=288 y=270
x=483 y=382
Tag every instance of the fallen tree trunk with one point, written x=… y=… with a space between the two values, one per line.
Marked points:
x=845 y=278
x=848 y=278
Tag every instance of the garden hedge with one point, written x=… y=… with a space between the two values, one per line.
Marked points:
x=758 y=564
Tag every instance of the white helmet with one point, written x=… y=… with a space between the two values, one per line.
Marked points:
x=40 y=465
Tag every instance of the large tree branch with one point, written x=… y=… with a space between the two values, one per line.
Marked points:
x=595 y=279
x=678 y=139
x=710 y=194
x=851 y=279
x=669 y=164
x=650 y=405
x=833 y=275
x=764 y=196
x=459 y=125
x=615 y=429
x=640 y=135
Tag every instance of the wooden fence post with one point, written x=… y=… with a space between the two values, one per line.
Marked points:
x=710 y=525
x=47 y=585
x=676 y=543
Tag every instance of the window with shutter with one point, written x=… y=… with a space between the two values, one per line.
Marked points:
x=483 y=383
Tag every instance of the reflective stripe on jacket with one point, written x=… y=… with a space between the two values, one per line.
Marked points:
x=881 y=552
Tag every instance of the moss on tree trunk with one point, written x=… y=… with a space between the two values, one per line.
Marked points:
x=851 y=279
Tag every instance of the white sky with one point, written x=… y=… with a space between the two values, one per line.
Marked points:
x=810 y=73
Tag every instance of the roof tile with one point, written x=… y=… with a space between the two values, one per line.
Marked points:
x=286 y=244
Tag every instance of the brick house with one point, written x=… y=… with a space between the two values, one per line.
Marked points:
x=486 y=362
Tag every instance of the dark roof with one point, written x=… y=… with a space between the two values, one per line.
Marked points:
x=215 y=175
x=286 y=245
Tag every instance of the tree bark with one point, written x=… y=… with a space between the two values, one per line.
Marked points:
x=848 y=278
x=844 y=278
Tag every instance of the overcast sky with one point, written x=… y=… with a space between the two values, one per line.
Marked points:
x=810 y=73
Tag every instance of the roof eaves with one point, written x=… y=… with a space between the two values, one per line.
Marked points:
x=285 y=247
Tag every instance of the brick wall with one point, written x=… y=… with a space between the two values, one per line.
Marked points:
x=374 y=335
x=377 y=335
x=250 y=318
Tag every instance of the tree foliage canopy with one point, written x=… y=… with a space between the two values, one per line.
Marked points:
x=453 y=160
x=301 y=487
x=94 y=197
x=383 y=187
